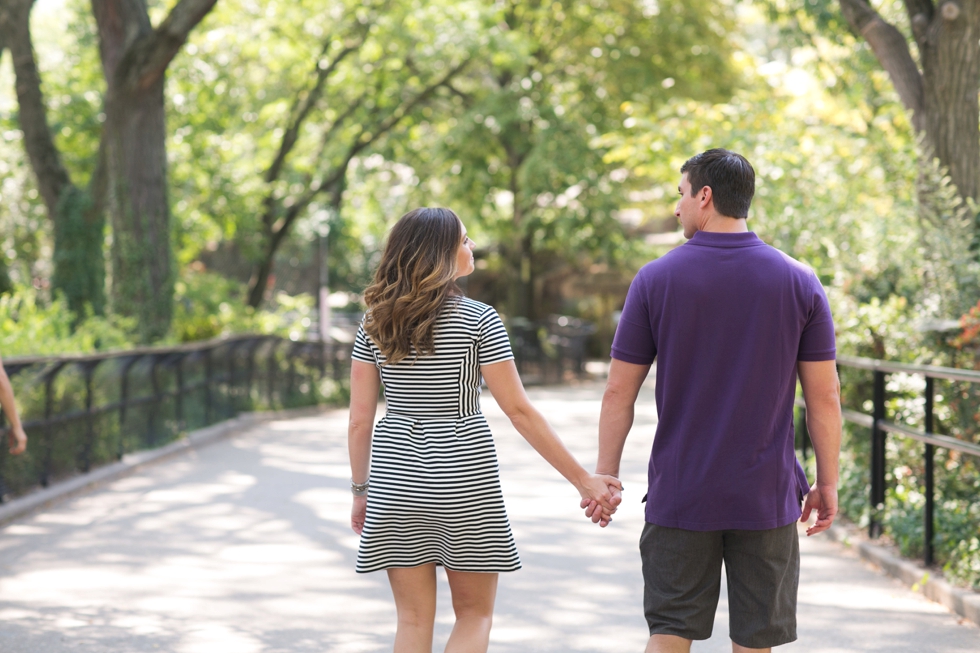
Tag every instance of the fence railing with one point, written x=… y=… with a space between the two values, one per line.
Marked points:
x=550 y=350
x=81 y=411
x=880 y=426
x=85 y=410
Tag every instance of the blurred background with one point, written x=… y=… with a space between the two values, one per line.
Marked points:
x=216 y=178
x=236 y=181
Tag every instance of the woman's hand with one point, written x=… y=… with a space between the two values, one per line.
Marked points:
x=604 y=494
x=357 y=512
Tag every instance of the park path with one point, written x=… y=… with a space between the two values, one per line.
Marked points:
x=244 y=547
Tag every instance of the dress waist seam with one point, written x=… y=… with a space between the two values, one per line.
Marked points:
x=431 y=418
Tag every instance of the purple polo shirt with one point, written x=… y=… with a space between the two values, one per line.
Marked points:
x=726 y=317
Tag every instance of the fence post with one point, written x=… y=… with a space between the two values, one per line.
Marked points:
x=250 y=372
x=929 y=513
x=124 y=404
x=877 y=456
x=270 y=372
x=48 y=427
x=179 y=404
x=804 y=434
x=155 y=403
x=229 y=381
x=208 y=379
x=89 y=371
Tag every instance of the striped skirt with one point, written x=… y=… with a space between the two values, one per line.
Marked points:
x=435 y=497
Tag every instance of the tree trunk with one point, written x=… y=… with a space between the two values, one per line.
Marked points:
x=950 y=57
x=136 y=161
x=79 y=225
x=135 y=57
x=942 y=97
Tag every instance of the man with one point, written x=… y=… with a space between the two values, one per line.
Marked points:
x=731 y=323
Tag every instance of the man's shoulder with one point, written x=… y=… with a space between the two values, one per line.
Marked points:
x=799 y=268
x=668 y=261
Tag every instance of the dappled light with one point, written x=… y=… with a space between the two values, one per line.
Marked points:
x=246 y=546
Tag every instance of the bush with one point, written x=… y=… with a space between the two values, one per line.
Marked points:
x=27 y=327
x=208 y=305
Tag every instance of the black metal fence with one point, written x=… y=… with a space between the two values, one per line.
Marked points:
x=880 y=426
x=87 y=410
x=82 y=411
x=550 y=350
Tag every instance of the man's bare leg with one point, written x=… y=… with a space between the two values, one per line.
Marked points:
x=668 y=644
x=736 y=648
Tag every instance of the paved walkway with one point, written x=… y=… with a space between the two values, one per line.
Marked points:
x=244 y=546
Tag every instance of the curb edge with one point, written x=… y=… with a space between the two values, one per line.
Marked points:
x=964 y=602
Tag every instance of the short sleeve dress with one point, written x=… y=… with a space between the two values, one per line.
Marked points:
x=435 y=488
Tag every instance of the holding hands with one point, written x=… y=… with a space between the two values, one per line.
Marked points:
x=601 y=497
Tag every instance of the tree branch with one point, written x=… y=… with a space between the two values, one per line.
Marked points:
x=892 y=51
x=302 y=106
x=45 y=158
x=363 y=140
x=920 y=14
x=147 y=59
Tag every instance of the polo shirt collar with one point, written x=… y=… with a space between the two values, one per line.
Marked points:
x=715 y=239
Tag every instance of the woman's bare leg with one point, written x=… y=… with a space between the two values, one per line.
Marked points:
x=414 y=590
x=473 y=597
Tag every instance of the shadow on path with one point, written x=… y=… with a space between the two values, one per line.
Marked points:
x=244 y=546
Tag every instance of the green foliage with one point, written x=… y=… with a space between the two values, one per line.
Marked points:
x=209 y=305
x=28 y=327
x=79 y=263
x=521 y=152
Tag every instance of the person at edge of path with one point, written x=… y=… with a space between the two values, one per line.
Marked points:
x=15 y=432
x=433 y=494
x=731 y=323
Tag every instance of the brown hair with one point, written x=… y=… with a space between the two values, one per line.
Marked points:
x=415 y=279
x=730 y=177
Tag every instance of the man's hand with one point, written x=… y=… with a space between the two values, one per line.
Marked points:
x=823 y=499
x=603 y=490
x=597 y=513
x=18 y=440
x=357 y=513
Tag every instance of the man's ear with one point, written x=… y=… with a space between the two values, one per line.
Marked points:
x=704 y=197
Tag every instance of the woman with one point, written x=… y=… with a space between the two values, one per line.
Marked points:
x=433 y=494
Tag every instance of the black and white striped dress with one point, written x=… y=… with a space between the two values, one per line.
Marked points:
x=435 y=490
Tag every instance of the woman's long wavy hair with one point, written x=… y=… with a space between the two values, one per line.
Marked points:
x=415 y=279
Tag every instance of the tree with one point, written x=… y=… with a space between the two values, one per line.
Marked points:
x=560 y=74
x=135 y=57
x=368 y=113
x=285 y=106
x=941 y=88
x=129 y=178
x=76 y=213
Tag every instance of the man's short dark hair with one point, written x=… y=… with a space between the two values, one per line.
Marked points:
x=730 y=176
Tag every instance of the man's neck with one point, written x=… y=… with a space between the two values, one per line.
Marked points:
x=722 y=224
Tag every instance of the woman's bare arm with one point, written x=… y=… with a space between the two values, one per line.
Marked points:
x=18 y=439
x=365 y=381
x=507 y=389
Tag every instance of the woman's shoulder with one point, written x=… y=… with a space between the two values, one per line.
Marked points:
x=470 y=308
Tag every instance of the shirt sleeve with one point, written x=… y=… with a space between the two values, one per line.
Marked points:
x=493 y=343
x=363 y=347
x=817 y=342
x=633 y=342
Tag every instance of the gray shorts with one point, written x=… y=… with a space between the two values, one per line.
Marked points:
x=682 y=580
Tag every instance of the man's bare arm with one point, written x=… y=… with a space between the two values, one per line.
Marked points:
x=616 y=417
x=615 y=421
x=821 y=393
